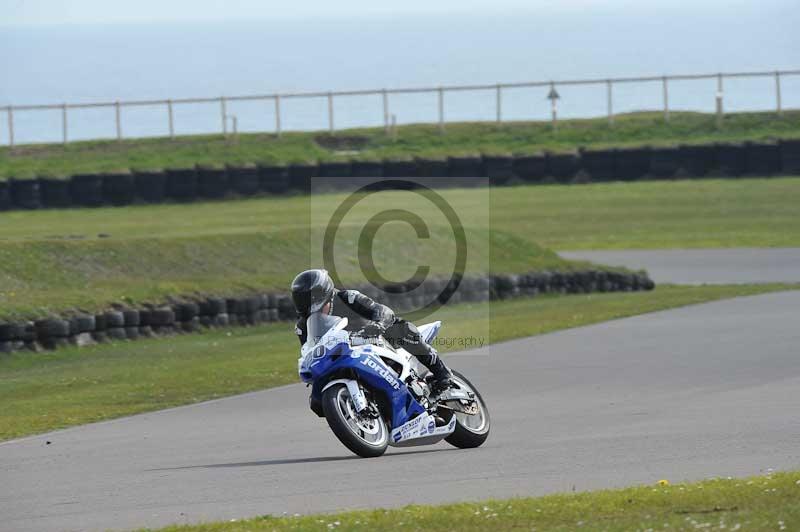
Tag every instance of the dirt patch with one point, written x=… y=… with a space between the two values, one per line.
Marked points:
x=342 y=142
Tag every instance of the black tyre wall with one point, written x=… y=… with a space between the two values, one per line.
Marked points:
x=86 y=190
x=244 y=179
x=367 y=169
x=763 y=158
x=601 y=165
x=150 y=185
x=181 y=184
x=664 y=162
x=300 y=176
x=119 y=188
x=24 y=193
x=790 y=157
x=563 y=166
x=498 y=168
x=212 y=181
x=5 y=197
x=273 y=178
x=731 y=159
x=633 y=163
x=531 y=168
x=698 y=160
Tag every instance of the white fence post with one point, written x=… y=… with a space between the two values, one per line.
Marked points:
x=330 y=113
x=666 y=98
x=385 y=110
x=64 y=123
x=224 y=113
x=171 y=120
x=10 y=113
x=441 y=109
x=610 y=103
x=719 y=100
x=118 y=120
x=278 y=115
x=778 y=105
x=499 y=103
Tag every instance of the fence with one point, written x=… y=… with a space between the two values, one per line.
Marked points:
x=388 y=119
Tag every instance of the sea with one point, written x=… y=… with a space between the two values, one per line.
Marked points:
x=172 y=60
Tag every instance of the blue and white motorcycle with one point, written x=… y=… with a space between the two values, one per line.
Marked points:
x=374 y=395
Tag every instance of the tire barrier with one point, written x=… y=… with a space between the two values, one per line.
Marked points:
x=150 y=185
x=698 y=160
x=601 y=165
x=54 y=192
x=335 y=169
x=181 y=184
x=498 y=168
x=273 y=178
x=300 y=176
x=5 y=197
x=215 y=181
x=244 y=179
x=664 y=162
x=119 y=188
x=563 y=166
x=212 y=181
x=432 y=167
x=86 y=190
x=633 y=163
x=763 y=158
x=731 y=159
x=366 y=169
x=187 y=316
x=530 y=168
x=24 y=193
x=400 y=168
x=468 y=166
x=790 y=156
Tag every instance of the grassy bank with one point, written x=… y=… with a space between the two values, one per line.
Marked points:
x=73 y=386
x=88 y=258
x=412 y=140
x=770 y=502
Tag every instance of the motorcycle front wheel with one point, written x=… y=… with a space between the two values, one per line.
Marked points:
x=366 y=436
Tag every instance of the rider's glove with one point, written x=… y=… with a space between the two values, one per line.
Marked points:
x=371 y=330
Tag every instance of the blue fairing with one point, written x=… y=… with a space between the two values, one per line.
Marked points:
x=331 y=362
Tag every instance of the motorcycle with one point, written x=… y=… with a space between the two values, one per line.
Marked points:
x=374 y=395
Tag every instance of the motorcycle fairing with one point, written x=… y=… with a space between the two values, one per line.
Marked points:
x=334 y=357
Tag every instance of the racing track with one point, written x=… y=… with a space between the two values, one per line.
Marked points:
x=702 y=391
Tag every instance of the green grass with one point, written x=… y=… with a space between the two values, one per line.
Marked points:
x=54 y=260
x=770 y=502
x=413 y=140
x=72 y=386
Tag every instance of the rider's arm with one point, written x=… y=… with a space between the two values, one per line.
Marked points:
x=300 y=330
x=368 y=308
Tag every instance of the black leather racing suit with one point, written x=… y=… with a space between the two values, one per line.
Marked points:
x=363 y=313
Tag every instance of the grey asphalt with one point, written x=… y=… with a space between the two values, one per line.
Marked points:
x=701 y=391
x=704 y=266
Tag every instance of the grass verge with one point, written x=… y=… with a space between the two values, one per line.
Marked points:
x=56 y=260
x=770 y=502
x=412 y=140
x=46 y=391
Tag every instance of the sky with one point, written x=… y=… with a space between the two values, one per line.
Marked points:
x=48 y=12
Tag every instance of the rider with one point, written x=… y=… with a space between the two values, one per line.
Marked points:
x=313 y=291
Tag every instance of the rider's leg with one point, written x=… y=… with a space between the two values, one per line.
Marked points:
x=406 y=335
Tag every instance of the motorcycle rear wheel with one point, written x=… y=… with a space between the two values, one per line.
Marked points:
x=366 y=436
x=470 y=431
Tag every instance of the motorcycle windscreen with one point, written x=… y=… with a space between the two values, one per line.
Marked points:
x=318 y=324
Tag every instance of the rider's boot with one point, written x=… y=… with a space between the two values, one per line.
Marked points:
x=442 y=378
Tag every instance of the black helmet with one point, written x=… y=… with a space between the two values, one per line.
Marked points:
x=311 y=289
